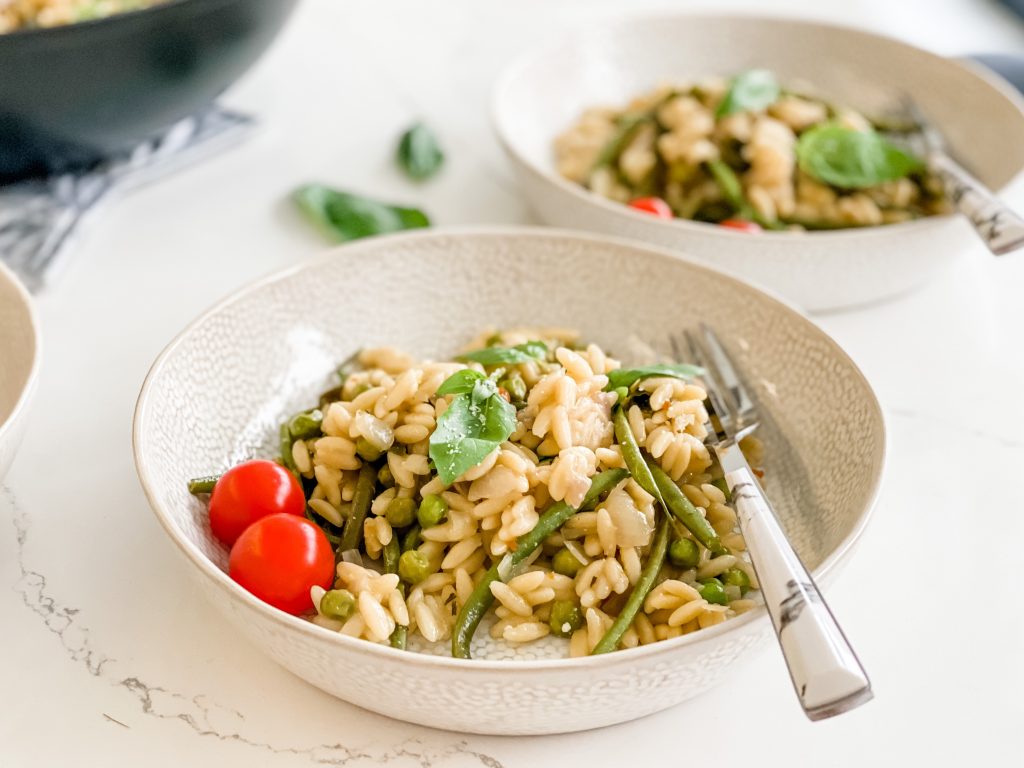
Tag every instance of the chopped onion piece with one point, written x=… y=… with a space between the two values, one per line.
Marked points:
x=577 y=551
x=352 y=556
x=376 y=432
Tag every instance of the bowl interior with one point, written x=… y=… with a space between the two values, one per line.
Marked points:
x=616 y=60
x=17 y=344
x=219 y=392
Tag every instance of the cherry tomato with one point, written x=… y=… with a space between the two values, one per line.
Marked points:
x=250 y=491
x=741 y=224
x=652 y=205
x=279 y=557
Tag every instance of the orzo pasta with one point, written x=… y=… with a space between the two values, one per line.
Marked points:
x=748 y=154
x=532 y=479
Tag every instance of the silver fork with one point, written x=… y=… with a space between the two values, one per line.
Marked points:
x=826 y=674
x=999 y=227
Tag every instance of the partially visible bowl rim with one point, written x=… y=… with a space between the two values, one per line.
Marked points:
x=219 y=577
x=33 y=372
x=63 y=29
x=684 y=226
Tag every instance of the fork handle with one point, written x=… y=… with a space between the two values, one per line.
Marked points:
x=1001 y=229
x=826 y=673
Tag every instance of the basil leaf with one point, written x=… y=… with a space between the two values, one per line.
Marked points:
x=342 y=216
x=419 y=154
x=851 y=159
x=475 y=424
x=627 y=377
x=460 y=382
x=749 y=91
x=521 y=353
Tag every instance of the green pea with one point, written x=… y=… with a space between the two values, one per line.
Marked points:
x=684 y=553
x=433 y=510
x=305 y=425
x=713 y=591
x=738 y=578
x=565 y=563
x=385 y=478
x=566 y=618
x=367 y=450
x=414 y=566
x=400 y=512
x=515 y=386
x=337 y=604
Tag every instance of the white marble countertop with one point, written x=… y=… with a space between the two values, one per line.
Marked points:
x=108 y=657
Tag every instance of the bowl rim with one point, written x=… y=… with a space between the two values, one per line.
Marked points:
x=385 y=653
x=683 y=227
x=32 y=378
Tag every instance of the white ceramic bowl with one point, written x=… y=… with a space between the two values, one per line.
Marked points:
x=19 y=364
x=542 y=94
x=216 y=395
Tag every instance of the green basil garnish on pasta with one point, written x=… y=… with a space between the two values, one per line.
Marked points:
x=521 y=353
x=627 y=377
x=852 y=159
x=419 y=153
x=478 y=420
x=342 y=216
x=749 y=91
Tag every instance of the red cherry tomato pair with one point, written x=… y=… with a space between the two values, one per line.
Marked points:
x=660 y=209
x=257 y=508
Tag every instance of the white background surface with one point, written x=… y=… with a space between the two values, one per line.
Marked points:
x=97 y=618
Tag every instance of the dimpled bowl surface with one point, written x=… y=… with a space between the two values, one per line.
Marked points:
x=218 y=393
x=19 y=364
x=610 y=61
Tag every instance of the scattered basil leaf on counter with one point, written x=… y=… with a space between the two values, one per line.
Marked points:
x=521 y=353
x=627 y=377
x=851 y=159
x=749 y=91
x=460 y=382
x=419 y=153
x=342 y=216
x=476 y=422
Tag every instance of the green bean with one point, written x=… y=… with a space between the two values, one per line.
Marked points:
x=723 y=486
x=305 y=425
x=328 y=397
x=687 y=514
x=392 y=551
x=626 y=129
x=286 y=449
x=644 y=585
x=353 y=533
x=554 y=517
x=412 y=538
x=205 y=484
x=631 y=456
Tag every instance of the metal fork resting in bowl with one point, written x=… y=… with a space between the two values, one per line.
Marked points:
x=999 y=227
x=826 y=673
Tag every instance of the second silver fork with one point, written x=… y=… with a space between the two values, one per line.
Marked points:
x=826 y=674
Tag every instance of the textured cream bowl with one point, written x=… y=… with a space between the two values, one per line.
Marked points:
x=543 y=93
x=216 y=395
x=19 y=364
